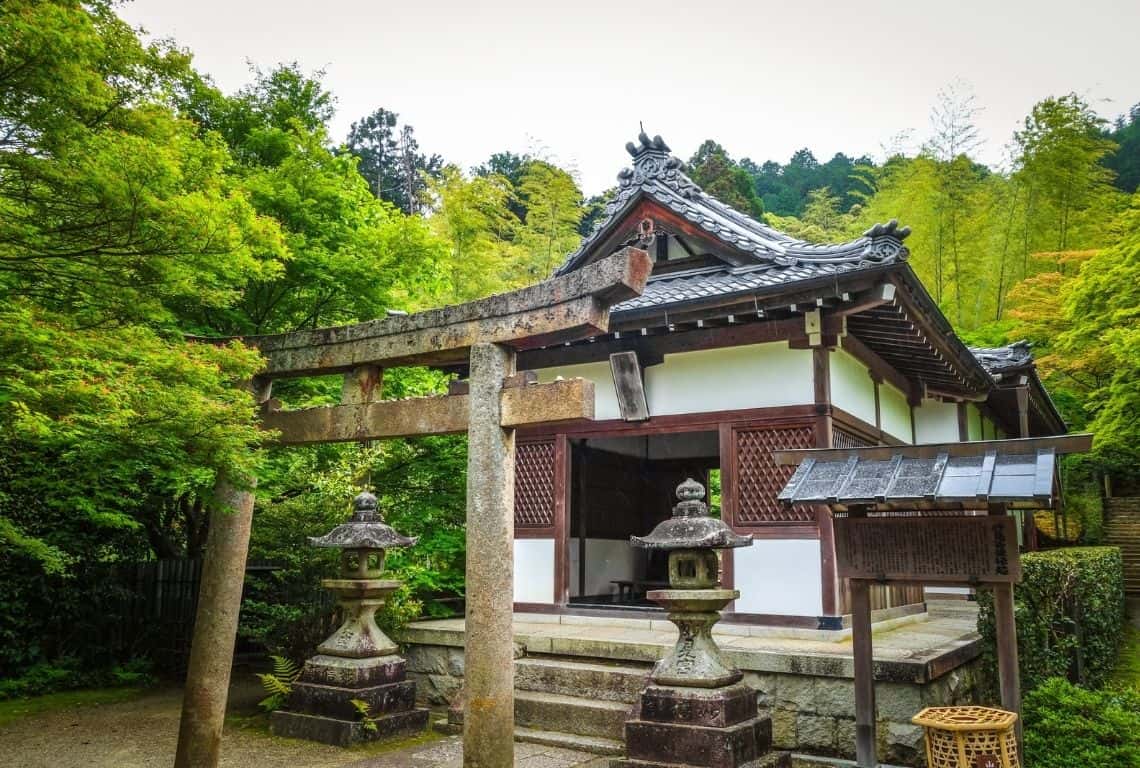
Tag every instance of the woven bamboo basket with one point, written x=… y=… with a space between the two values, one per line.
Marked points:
x=957 y=736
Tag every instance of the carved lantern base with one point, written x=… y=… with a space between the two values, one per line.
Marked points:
x=695 y=660
x=357 y=662
x=677 y=727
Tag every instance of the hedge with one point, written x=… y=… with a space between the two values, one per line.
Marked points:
x=1070 y=615
x=1067 y=727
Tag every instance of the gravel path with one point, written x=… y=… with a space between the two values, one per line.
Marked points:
x=142 y=731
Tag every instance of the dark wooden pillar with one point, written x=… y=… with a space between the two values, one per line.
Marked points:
x=727 y=452
x=864 y=674
x=1008 y=674
x=825 y=438
x=561 y=520
x=1022 y=411
x=821 y=376
x=963 y=421
x=878 y=382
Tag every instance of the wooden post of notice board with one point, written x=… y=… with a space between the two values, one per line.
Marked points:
x=953 y=551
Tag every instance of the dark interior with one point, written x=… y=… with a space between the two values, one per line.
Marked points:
x=622 y=487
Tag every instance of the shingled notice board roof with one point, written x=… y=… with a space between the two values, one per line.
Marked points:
x=1018 y=473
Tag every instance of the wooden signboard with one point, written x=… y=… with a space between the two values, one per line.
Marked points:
x=987 y=761
x=928 y=550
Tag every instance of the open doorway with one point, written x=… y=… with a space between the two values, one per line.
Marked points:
x=622 y=487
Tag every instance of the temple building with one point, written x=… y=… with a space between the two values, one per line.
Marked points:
x=746 y=340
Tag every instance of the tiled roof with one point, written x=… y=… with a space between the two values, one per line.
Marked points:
x=1001 y=359
x=658 y=176
x=675 y=288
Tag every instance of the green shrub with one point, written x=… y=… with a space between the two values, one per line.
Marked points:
x=1067 y=726
x=68 y=673
x=1069 y=606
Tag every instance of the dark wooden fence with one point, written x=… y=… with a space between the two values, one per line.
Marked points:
x=148 y=610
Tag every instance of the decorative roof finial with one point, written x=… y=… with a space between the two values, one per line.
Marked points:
x=365 y=508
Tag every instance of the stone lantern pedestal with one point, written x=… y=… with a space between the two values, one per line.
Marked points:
x=358 y=662
x=695 y=713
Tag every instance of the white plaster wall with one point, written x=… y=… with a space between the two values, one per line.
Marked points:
x=605 y=397
x=779 y=576
x=895 y=412
x=754 y=376
x=973 y=422
x=534 y=570
x=606 y=559
x=936 y=422
x=851 y=386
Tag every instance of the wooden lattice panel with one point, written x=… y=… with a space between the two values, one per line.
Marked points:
x=534 y=484
x=843 y=439
x=759 y=479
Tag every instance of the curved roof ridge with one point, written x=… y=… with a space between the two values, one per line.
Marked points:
x=658 y=175
x=1018 y=354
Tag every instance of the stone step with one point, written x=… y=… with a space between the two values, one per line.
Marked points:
x=608 y=682
x=964 y=609
x=595 y=745
x=570 y=714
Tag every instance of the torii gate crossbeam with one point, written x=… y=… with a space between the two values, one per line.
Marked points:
x=486 y=334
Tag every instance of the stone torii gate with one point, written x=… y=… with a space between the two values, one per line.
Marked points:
x=484 y=334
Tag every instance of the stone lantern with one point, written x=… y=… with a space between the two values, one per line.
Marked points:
x=358 y=662
x=695 y=711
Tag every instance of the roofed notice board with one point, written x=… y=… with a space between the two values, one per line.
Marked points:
x=939 y=550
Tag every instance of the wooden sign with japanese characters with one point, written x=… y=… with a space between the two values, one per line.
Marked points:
x=937 y=550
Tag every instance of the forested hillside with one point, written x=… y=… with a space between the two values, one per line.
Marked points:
x=142 y=208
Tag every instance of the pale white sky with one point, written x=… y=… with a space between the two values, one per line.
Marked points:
x=763 y=78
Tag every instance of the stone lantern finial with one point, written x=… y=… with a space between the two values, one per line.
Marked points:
x=365 y=508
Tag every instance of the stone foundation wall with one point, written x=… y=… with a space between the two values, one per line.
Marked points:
x=437 y=670
x=813 y=714
x=817 y=714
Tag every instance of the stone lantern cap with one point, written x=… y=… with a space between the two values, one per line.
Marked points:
x=690 y=527
x=366 y=529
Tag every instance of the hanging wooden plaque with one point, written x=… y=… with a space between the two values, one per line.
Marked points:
x=936 y=550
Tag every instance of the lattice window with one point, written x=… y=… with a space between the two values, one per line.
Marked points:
x=759 y=480
x=534 y=484
x=843 y=439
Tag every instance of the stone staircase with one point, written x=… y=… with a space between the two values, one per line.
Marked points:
x=574 y=703
x=1122 y=529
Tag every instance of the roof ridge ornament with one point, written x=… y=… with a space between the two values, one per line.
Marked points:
x=885 y=241
x=652 y=161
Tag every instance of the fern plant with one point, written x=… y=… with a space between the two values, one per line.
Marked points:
x=365 y=711
x=278 y=683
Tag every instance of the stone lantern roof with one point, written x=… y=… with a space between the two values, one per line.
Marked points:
x=366 y=529
x=690 y=527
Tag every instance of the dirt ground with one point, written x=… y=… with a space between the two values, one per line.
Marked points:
x=141 y=731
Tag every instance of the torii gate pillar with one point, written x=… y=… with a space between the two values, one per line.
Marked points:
x=489 y=723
